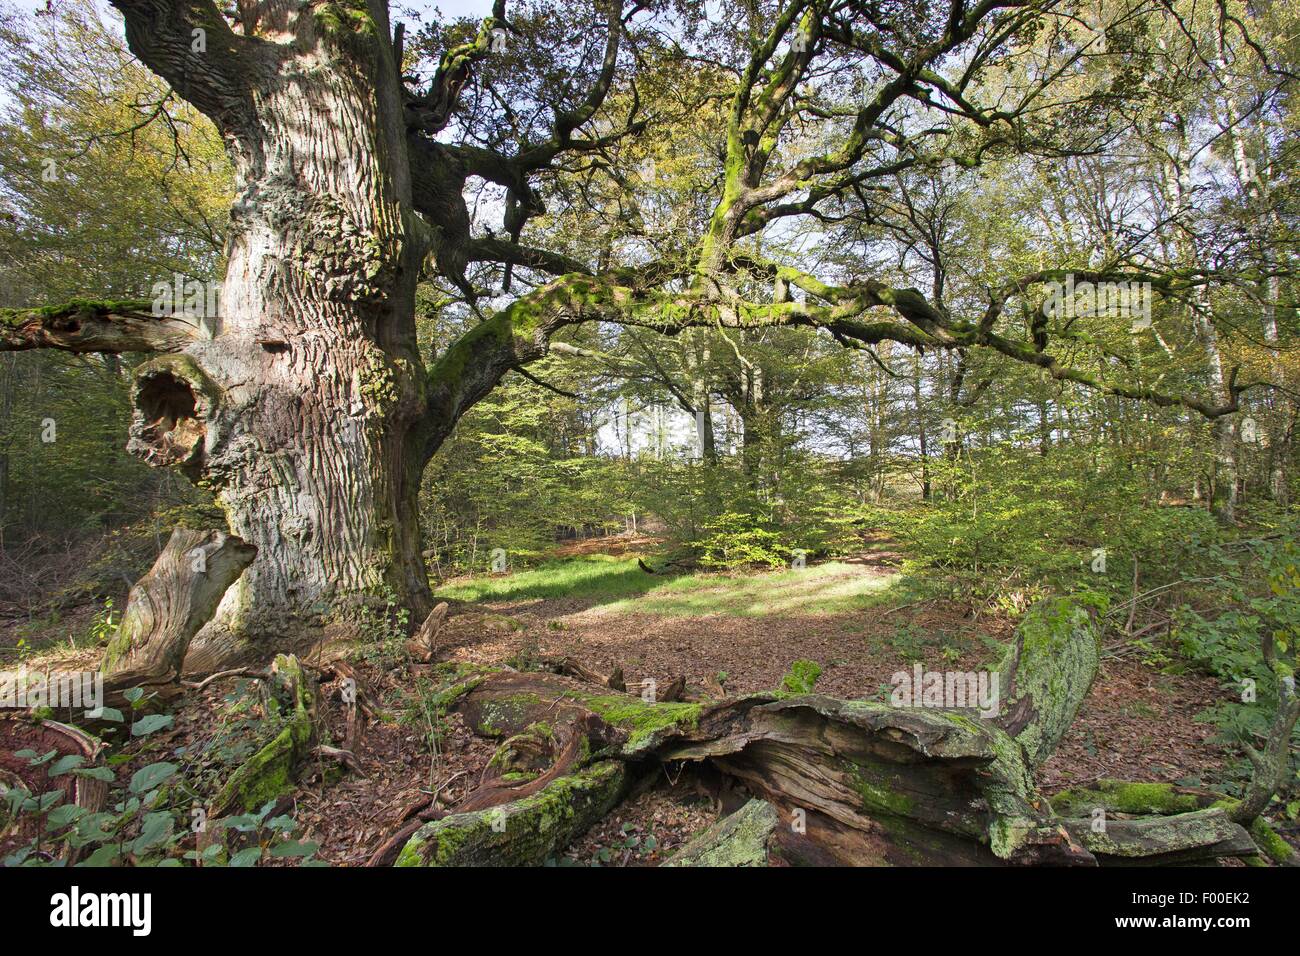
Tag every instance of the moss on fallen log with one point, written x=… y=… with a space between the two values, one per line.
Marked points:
x=1271 y=845
x=525 y=832
x=739 y=839
x=1047 y=673
x=1122 y=796
x=861 y=781
x=1186 y=837
x=270 y=772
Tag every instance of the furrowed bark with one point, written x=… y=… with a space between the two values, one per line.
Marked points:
x=305 y=411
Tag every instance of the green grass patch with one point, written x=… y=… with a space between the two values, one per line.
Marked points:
x=831 y=588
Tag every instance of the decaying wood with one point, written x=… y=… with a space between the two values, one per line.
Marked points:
x=167 y=607
x=270 y=772
x=425 y=642
x=1152 y=841
x=849 y=782
x=572 y=667
x=43 y=736
x=523 y=832
x=1047 y=673
x=743 y=838
x=674 y=691
x=346 y=757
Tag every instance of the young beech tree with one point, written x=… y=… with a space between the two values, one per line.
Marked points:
x=307 y=406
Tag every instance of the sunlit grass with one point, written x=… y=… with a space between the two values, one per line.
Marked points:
x=591 y=576
x=620 y=585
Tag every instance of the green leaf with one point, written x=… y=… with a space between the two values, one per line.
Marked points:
x=155 y=829
x=62 y=816
x=150 y=724
x=249 y=857
x=104 y=856
x=146 y=778
x=66 y=763
x=294 y=848
x=95 y=773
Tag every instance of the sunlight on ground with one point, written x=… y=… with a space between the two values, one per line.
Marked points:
x=617 y=583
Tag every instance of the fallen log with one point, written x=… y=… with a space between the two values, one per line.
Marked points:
x=742 y=838
x=524 y=832
x=1164 y=840
x=1047 y=673
x=1122 y=796
x=856 y=781
x=270 y=772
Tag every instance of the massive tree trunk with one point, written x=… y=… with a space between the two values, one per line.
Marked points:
x=303 y=403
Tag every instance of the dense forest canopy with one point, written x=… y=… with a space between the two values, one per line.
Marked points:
x=391 y=295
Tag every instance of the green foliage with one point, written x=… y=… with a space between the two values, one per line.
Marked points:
x=148 y=822
x=514 y=477
x=732 y=540
x=801 y=677
x=1255 y=594
x=720 y=515
x=383 y=624
x=1013 y=527
x=621 y=585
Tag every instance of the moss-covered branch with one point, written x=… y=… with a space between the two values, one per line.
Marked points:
x=93 y=325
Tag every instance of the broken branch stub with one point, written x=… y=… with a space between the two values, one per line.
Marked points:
x=167 y=606
x=1046 y=674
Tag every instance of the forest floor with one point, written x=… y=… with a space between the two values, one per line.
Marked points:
x=858 y=618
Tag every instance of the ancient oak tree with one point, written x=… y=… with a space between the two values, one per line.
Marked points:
x=306 y=404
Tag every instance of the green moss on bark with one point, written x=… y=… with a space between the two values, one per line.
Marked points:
x=740 y=839
x=524 y=833
x=269 y=773
x=1120 y=796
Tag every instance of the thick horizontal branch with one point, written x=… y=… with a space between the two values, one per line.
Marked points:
x=85 y=325
x=190 y=45
x=491 y=249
